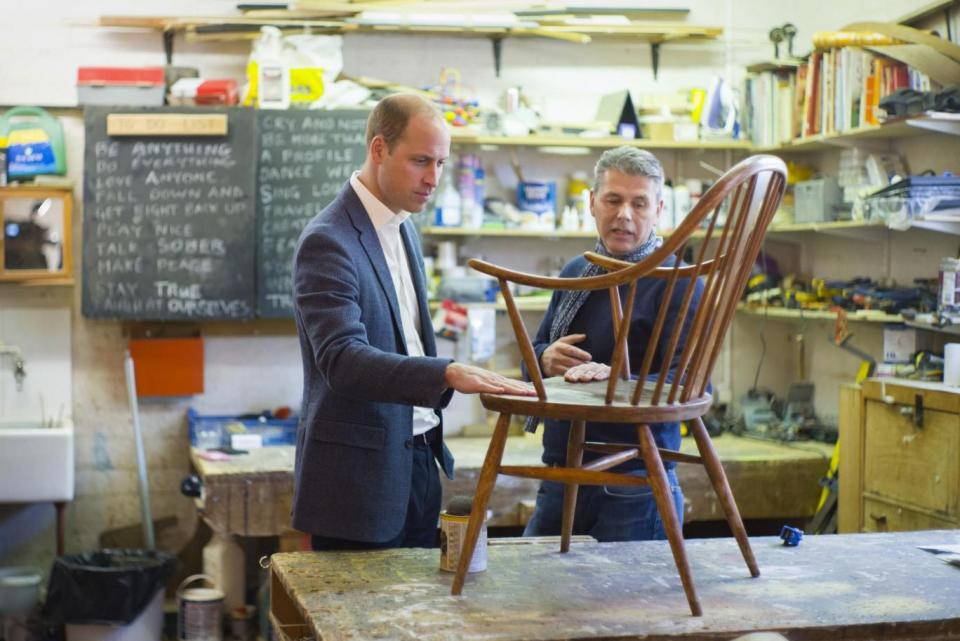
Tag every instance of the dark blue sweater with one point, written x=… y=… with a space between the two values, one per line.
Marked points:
x=593 y=319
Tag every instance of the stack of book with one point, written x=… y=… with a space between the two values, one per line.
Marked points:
x=833 y=91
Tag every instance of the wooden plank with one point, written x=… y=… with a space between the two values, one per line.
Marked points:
x=903 y=392
x=286 y=617
x=167 y=125
x=863 y=586
x=851 y=460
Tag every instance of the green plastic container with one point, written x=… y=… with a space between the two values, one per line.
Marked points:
x=34 y=143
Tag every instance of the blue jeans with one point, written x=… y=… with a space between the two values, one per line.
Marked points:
x=605 y=512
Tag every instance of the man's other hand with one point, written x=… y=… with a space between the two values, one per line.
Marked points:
x=587 y=372
x=563 y=354
x=468 y=379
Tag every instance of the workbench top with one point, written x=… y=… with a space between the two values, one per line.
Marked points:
x=251 y=494
x=855 y=586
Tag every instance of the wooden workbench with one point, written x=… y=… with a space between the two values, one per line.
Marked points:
x=854 y=586
x=251 y=494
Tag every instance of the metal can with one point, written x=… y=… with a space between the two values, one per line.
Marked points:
x=453 y=532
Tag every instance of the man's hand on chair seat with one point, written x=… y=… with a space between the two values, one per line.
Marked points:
x=563 y=354
x=587 y=372
x=468 y=379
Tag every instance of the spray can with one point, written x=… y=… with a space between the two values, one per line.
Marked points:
x=3 y=161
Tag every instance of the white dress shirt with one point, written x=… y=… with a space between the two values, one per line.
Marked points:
x=387 y=224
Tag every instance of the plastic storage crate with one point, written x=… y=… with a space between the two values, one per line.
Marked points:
x=211 y=431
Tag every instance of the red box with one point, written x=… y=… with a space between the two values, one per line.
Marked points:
x=218 y=92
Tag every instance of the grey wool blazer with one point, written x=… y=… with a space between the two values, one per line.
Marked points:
x=354 y=442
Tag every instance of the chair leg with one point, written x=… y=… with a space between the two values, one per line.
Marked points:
x=574 y=459
x=657 y=475
x=720 y=485
x=488 y=476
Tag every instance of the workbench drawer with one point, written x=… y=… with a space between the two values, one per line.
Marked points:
x=911 y=463
x=879 y=516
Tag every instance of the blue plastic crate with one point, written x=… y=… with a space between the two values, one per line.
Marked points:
x=210 y=431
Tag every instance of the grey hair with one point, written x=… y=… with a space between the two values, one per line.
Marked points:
x=630 y=161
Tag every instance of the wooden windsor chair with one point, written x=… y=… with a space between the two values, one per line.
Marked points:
x=729 y=221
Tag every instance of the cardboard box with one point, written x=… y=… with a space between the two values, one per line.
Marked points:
x=900 y=343
x=816 y=200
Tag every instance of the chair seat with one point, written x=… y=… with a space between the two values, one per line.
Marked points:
x=572 y=401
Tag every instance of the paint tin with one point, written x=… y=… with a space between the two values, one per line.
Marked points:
x=199 y=611
x=539 y=198
x=453 y=531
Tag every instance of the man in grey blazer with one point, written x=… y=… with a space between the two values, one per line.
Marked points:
x=370 y=434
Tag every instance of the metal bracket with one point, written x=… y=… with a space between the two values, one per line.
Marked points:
x=497 y=54
x=168 y=36
x=915 y=412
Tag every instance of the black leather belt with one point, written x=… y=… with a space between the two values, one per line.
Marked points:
x=427 y=437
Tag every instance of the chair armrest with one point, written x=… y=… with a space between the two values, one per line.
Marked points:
x=615 y=264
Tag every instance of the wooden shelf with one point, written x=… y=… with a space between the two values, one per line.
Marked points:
x=864 y=316
x=953 y=330
x=545 y=234
x=8 y=279
x=932 y=122
x=345 y=20
x=461 y=137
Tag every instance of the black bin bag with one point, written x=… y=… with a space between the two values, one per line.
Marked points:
x=108 y=587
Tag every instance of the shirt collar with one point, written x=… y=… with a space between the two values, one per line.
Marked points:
x=380 y=215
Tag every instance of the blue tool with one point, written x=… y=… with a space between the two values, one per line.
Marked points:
x=791 y=536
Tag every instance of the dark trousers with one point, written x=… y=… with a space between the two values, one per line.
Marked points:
x=423 y=509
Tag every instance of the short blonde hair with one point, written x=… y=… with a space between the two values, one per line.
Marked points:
x=390 y=117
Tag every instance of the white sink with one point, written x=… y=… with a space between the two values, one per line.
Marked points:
x=36 y=463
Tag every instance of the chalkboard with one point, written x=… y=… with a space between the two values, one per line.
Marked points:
x=304 y=159
x=169 y=222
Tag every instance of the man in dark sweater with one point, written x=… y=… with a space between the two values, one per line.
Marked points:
x=576 y=340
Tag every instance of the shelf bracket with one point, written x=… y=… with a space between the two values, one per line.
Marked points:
x=497 y=54
x=168 y=35
x=655 y=58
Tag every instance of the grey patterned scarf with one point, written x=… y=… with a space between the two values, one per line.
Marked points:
x=571 y=301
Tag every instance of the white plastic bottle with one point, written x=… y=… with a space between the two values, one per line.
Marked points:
x=223 y=561
x=273 y=72
x=449 y=211
x=681 y=203
x=667 y=218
